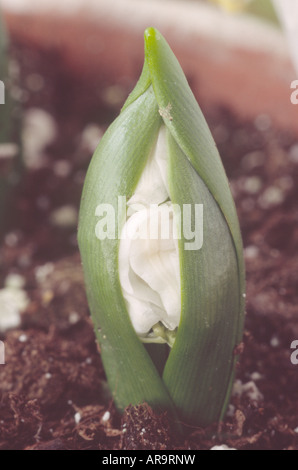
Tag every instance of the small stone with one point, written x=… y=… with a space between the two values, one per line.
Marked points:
x=114 y=95
x=251 y=252
x=39 y=131
x=23 y=338
x=253 y=185
x=249 y=389
x=275 y=342
x=231 y=411
x=256 y=376
x=15 y=281
x=77 y=418
x=91 y=137
x=11 y=239
x=106 y=417
x=47 y=297
x=42 y=272
x=64 y=217
x=25 y=261
x=263 y=122
x=273 y=196
x=62 y=168
x=8 y=151
x=74 y=317
x=12 y=303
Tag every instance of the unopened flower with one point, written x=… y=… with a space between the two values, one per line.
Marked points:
x=149 y=262
x=162 y=251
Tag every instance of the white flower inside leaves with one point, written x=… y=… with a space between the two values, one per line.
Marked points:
x=148 y=256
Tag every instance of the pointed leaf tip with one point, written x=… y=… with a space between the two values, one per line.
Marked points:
x=150 y=32
x=151 y=36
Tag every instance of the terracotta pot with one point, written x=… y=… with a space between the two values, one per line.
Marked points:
x=232 y=61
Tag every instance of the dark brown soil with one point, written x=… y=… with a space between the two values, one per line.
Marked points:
x=53 y=393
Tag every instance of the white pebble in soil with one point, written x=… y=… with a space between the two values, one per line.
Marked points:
x=249 y=389
x=272 y=197
x=256 y=376
x=73 y=318
x=42 y=272
x=8 y=151
x=64 y=217
x=23 y=338
x=39 y=131
x=251 y=252
x=13 y=301
x=275 y=342
x=252 y=185
x=231 y=411
x=263 y=122
x=106 y=417
x=91 y=137
x=11 y=239
x=15 y=281
x=62 y=168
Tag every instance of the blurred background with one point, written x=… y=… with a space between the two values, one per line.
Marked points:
x=68 y=68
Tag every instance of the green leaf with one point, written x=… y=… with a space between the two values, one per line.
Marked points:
x=200 y=388
x=200 y=366
x=114 y=171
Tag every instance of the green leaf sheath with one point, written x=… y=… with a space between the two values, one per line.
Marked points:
x=200 y=365
x=188 y=127
x=199 y=371
x=114 y=171
x=189 y=130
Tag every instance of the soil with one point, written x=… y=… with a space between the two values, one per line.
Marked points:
x=53 y=393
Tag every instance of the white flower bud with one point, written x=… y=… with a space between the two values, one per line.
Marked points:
x=149 y=259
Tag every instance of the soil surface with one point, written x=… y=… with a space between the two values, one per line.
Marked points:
x=53 y=393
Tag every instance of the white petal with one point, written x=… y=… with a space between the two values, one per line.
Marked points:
x=153 y=187
x=148 y=257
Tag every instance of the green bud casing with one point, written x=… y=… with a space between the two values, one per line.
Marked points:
x=196 y=381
